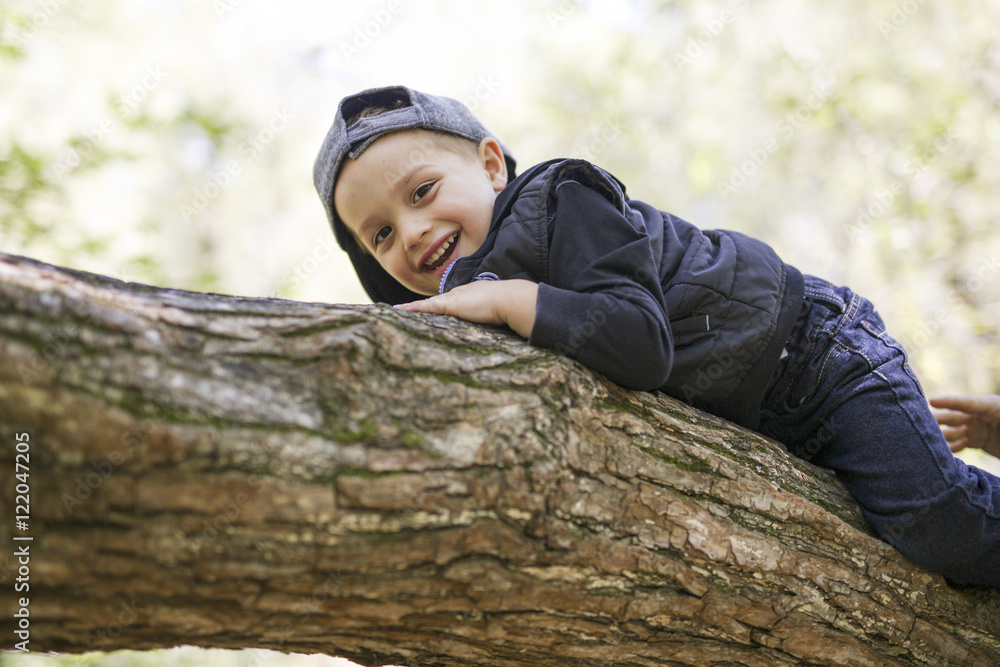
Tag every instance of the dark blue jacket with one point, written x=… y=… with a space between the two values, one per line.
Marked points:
x=639 y=295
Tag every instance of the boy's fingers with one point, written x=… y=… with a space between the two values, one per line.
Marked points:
x=435 y=305
x=952 y=418
x=408 y=307
x=958 y=445
x=422 y=306
x=964 y=403
x=952 y=434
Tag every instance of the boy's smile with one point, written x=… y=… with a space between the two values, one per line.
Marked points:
x=440 y=253
x=418 y=200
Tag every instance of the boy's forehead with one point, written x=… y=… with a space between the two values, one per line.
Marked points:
x=396 y=155
x=382 y=168
x=407 y=148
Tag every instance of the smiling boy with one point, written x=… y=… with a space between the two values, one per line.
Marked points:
x=425 y=202
x=415 y=220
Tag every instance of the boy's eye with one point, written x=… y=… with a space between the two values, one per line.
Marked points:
x=422 y=192
x=381 y=235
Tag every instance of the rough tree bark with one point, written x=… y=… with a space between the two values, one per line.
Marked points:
x=394 y=488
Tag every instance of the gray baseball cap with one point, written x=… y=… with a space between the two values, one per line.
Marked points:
x=350 y=136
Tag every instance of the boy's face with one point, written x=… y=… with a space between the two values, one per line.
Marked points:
x=417 y=200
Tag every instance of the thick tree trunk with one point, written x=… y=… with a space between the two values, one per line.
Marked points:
x=394 y=488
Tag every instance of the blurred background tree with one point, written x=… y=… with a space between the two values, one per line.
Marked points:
x=171 y=141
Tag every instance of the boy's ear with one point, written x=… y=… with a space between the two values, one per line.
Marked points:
x=492 y=159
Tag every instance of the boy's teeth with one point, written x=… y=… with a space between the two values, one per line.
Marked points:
x=440 y=251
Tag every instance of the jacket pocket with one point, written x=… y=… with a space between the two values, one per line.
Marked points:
x=688 y=330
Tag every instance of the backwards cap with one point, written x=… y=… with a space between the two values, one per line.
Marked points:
x=409 y=109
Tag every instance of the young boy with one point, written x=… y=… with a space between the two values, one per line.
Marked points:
x=425 y=202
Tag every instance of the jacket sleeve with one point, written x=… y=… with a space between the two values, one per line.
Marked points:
x=602 y=303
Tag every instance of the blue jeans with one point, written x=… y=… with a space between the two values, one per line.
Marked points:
x=846 y=399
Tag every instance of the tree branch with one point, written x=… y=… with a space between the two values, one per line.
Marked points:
x=389 y=487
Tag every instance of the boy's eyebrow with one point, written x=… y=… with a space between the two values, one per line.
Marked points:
x=398 y=185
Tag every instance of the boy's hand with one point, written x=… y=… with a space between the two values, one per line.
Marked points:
x=970 y=421
x=510 y=302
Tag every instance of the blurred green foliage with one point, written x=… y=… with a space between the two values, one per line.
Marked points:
x=862 y=141
x=45 y=178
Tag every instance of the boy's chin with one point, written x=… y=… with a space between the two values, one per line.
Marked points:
x=424 y=292
x=429 y=285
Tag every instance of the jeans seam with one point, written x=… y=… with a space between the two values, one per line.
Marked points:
x=830 y=359
x=881 y=336
x=848 y=315
x=861 y=353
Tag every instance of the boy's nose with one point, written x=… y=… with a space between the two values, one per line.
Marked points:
x=413 y=232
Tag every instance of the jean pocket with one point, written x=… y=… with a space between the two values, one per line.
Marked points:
x=895 y=348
